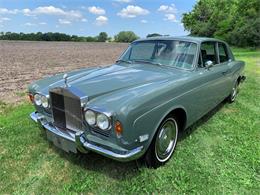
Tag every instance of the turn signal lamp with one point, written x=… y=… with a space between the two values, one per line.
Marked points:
x=118 y=128
x=31 y=97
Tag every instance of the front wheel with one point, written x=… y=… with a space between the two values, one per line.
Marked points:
x=163 y=144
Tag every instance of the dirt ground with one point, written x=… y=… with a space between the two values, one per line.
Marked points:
x=22 y=62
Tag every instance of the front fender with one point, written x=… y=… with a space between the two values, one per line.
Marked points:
x=149 y=122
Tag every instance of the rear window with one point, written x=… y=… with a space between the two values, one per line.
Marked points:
x=223 y=54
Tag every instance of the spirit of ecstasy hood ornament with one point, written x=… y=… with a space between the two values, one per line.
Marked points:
x=65 y=77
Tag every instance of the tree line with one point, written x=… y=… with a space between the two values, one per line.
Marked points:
x=123 y=36
x=235 y=21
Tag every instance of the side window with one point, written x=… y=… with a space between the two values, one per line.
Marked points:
x=223 y=54
x=208 y=52
x=126 y=54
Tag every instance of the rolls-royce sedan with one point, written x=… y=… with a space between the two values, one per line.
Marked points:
x=138 y=106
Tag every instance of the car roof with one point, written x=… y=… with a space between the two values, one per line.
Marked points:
x=181 y=38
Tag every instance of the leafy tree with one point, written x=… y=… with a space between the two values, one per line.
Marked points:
x=126 y=36
x=102 y=37
x=236 y=21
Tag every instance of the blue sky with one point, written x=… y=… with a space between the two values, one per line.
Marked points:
x=89 y=17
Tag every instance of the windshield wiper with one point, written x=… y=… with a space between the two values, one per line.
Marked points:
x=148 y=62
x=125 y=61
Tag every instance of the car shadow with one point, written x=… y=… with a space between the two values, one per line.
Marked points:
x=98 y=163
x=187 y=132
x=118 y=170
x=95 y=162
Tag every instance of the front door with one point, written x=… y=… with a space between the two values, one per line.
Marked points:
x=216 y=76
x=211 y=83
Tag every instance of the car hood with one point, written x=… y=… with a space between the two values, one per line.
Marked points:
x=103 y=80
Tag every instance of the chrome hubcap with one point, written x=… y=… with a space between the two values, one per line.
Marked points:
x=234 y=93
x=166 y=140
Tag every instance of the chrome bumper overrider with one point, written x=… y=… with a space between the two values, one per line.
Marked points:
x=83 y=145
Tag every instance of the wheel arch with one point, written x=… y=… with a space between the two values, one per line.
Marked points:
x=181 y=116
x=179 y=112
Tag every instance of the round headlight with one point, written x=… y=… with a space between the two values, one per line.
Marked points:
x=45 y=101
x=90 y=117
x=102 y=121
x=38 y=99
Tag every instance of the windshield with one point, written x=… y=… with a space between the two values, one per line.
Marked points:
x=173 y=53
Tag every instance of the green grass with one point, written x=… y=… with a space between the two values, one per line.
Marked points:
x=219 y=155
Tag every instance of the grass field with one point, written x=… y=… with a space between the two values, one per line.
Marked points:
x=219 y=155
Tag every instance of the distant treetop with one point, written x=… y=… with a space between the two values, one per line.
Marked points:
x=153 y=35
x=126 y=36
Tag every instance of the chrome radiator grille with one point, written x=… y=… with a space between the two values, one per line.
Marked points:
x=66 y=110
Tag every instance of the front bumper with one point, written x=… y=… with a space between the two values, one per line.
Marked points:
x=79 y=142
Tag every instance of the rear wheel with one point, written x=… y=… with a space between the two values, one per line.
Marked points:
x=233 y=94
x=163 y=144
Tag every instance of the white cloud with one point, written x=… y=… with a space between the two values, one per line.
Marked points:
x=170 y=17
x=96 y=10
x=123 y=1
x=4 y=19
x=51 y=10
x=29 y=24
x=42 y=23
x=64 y=21
x=8 y=11
x=132 y=11
x=144 y=21
x=168 y=9
x=27 y=12
x=84 y=20
x=169 y=12
x=101 y=20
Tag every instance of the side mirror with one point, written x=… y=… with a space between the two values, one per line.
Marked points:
x=208 y=64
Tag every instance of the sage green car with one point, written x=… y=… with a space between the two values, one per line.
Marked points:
x=137 y=107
